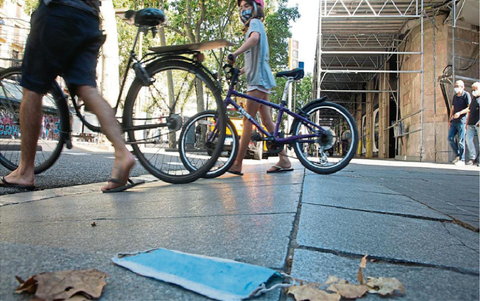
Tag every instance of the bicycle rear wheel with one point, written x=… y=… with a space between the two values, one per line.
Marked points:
x=154 y=115
x=198 y=140
x=51 y=137
x=326 y=152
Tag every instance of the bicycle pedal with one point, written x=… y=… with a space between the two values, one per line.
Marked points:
x=256 y=137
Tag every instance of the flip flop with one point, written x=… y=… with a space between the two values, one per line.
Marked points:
x=279 y=169
x=238 y=173
x=124 y=186
x=12 y=185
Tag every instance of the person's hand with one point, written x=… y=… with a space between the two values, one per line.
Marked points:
x=456 y=115
x=242 y=71
x=231 y=59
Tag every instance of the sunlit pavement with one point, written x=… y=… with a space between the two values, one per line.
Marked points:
x=418 y=222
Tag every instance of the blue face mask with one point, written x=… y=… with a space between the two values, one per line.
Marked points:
x=246 y=15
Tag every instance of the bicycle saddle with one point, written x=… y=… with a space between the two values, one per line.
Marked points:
x=148 y=17
x=297 y=73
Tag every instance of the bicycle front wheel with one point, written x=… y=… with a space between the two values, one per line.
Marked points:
x=330 y=149
x=51 y=137
x=199 y=138
x=154 y=115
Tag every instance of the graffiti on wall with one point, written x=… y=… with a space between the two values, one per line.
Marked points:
x=9 y=126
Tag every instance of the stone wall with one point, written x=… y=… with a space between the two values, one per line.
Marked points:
x=435 y=117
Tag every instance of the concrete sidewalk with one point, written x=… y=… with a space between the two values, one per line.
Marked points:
x=410 y=220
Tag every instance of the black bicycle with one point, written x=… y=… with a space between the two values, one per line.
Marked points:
x=170 y=85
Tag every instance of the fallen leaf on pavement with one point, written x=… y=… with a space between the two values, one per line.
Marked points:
x=29 y=286
x=332 y=279
x=349 y=291
x=308 y=292
x=385 y=286
x=65 y=284
x=363 y=264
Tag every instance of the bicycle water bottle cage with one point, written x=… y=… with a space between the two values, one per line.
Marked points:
x=296 y=74
x=142 y=74
x=149 y=17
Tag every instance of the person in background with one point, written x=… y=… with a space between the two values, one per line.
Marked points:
x=473 y=125
x=457 y=121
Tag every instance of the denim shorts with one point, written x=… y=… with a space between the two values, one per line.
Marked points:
x=259 y=88
x=63 y=41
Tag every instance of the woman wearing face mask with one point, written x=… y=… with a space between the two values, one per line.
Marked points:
x=473 y=125
x=260 y=80
x=458 y=119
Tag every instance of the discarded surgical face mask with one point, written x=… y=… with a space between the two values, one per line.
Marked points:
x=476 y=93
x=246 y=15
x=457 y=90
x=216 y=278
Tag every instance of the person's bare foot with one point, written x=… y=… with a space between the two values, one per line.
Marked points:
x=17 y=178
x=121 y=170
x=236 y=169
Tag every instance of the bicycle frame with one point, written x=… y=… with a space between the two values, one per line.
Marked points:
x=280 y=108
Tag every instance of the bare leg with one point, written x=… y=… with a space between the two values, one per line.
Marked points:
x=124 y=160
x=267 y=121
x=30 y=125
x=251 y=108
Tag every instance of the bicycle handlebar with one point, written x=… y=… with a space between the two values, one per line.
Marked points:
x=231 y=73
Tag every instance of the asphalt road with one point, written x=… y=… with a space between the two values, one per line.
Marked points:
x=77 y=166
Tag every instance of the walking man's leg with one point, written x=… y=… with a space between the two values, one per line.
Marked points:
x=452 y=132
x=30 y=125
x=461 y=141
x=124 y=160
x=470 y=135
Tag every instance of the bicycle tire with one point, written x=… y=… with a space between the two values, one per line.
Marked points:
x=196 y=155
x=51 y=141
x=334 y=119
x=158 y=152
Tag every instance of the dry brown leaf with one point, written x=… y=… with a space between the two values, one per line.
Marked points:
x=363 y=264
x=349 y=291
x=332 y=279
x=385 y=286
x=65 y=284
x=78 y=297
x=308 y=292
x=29 y=286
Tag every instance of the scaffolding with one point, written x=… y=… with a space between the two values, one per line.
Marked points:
x=359 y=53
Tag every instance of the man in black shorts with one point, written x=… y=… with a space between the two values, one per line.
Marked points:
x=65 y=40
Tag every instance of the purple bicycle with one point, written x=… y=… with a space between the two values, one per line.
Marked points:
x=323 y=134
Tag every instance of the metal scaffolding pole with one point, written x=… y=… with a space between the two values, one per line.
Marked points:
x=423 y=83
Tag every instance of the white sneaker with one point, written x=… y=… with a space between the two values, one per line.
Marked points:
x=455 y=160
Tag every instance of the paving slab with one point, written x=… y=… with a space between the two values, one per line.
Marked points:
x=421 y=283
x=388 y=236
x=122 y=284
x=362 y=194
x=249 y=225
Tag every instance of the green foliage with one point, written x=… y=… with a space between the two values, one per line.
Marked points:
x=28 y=7
x=278 y=27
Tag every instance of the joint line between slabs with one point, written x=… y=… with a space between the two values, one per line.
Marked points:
x=388 y=260
x=386 y=213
